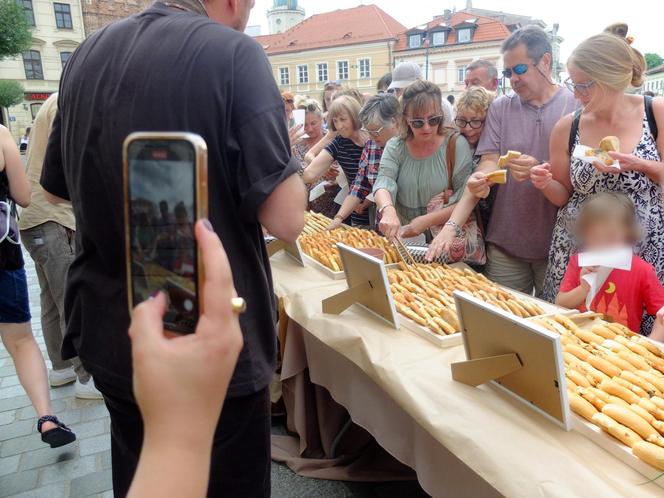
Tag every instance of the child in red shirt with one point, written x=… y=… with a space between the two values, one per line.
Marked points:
x=609 y=220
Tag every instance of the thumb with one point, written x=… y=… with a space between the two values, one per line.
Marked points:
x=146 y=321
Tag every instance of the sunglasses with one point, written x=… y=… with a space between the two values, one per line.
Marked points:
x=419 y=122
x=289 y=101
x=519 y=69
x=580 y=88
x=473 y=123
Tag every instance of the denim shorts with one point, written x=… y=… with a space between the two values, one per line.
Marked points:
x=14 y=301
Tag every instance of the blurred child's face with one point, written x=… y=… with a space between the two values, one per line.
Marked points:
x=605 y=235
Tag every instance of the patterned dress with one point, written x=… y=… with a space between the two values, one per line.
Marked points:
x=644 y=193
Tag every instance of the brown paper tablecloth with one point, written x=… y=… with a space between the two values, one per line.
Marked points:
x=380 y=374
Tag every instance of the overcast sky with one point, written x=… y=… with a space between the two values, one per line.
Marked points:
x=578 y=19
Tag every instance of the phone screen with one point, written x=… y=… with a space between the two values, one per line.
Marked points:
x=162 y=211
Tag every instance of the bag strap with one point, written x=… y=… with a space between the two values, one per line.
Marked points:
x=650 y=115
x=450 y=157
x=573 y=131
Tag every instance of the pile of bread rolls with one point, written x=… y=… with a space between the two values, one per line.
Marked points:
x=615 y=379
x=423 y=293
x=322 y=246
x=315 y=223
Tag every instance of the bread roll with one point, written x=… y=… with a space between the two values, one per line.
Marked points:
x=649 y=453
x=610 y=143
x=498 y=176
x=630 y=419
x=616 y=429
x=581 y=406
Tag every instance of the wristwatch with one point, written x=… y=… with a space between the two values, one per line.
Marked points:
x=380 y=211
x=458 y=231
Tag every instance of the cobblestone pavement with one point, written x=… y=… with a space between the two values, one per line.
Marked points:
x=30 y=469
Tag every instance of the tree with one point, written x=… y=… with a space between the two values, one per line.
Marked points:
x=653 y=60
x=15 y=30
x=11 y=93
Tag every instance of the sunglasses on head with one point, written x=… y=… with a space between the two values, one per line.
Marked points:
x=419 y=122
x=289 y=101
x=519 y=69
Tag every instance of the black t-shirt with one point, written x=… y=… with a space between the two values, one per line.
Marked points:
x=166 y=70
x=11 y=257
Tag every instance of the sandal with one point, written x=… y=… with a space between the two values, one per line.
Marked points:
x=57 y=437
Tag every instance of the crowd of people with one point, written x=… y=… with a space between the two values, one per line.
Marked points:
x=408 y=162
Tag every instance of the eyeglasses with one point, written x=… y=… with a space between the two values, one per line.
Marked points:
x=391 y=91
x=419 y=122
x=580 y=88
x=475 y=124
x=519 y=69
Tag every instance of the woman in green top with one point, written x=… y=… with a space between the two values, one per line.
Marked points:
x=413 y=168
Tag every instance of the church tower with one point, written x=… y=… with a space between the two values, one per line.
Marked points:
x=283 y=15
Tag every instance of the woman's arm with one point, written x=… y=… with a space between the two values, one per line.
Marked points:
x=553 y=179
x=316 y=149
x=317 y=167
x=19 y=187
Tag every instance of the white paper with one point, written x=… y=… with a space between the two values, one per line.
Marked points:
x=580 y=153
x=317 y=191
x=343 y=193
x=596 y=280
x=298 y=116
x=617 y=257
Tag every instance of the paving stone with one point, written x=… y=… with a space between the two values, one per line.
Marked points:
x=9 y=465
x=11 y=380
x=9 y=392
x=21 y=444
x=56 y=490
x=47 y=456
x=65 y=471
x=93 y=428
x=98 y=482
x=94 y=412
x=18 y=483
x=95 y=444
x=17 y=429
x=104 y=460
x=13 y=403
x=28 y=412
x=7 y=417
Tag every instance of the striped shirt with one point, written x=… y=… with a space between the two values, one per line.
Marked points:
x=348 y=155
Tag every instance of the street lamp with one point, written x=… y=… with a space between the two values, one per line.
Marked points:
x=426 y=55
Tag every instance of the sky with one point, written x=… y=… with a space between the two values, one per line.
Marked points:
x=578 y=19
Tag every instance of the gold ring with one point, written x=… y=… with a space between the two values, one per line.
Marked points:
x=238 y=305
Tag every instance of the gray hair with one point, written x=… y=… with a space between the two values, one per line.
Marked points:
x=491 y=70
x=380 y=108
x=534 y=38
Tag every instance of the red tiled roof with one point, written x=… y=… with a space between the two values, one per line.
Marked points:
x=488 y=29
x=363 y=24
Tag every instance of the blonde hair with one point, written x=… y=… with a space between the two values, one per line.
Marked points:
x=347 y=104
x=608 y=206
x=609 y=59
x=476 y=99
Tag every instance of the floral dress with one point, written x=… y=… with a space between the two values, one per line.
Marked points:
x=644 y=193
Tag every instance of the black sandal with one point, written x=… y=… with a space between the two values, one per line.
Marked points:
x=57 y=437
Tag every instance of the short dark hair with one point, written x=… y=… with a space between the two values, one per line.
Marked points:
x=533 y=37
x=381 y=107
x=649 y=93
x=490 y=67
x=384 y=82
x=450 y=99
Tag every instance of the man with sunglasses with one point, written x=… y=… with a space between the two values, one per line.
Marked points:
x=522 y=219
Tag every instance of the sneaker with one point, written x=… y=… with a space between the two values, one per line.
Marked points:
x=87 y=390
x=57 y=378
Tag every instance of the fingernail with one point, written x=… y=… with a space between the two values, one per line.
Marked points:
x=207 y=224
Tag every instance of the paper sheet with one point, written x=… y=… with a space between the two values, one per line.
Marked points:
x=606 y=261
x=317 y=191
x=580 y=153
x=298 y=116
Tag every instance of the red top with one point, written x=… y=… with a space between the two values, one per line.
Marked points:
x=625 y=293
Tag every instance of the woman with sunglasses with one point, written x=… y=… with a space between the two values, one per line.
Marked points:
x=413 y=168
x=601 y=69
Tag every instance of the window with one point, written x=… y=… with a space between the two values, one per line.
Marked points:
x=463 y=35
x=303 y=74
x=33 y=65
x=28 y=9
x=415 y=41
x=438 y=38
x=63 y=15
x=342 y=70
x=64 y=57
x=461 y=74
x=321 y=69
x=364 y=66
x=284 y=77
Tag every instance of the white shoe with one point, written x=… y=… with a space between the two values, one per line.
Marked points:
x=57 y=378
x=87 y=390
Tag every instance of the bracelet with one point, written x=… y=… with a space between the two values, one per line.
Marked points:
x=458 y=231
x=380 y=211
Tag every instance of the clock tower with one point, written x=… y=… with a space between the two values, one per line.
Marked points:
x=283 y=15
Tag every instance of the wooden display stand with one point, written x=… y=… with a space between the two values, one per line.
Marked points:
x=516 y=355
x=367 y=286
x=292 y=248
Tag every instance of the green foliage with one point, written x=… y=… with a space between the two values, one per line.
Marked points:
x=11 y=93
x=653 y=60
x=15 y=30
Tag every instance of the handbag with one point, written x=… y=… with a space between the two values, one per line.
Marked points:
x=469 y=247
x=8 y=216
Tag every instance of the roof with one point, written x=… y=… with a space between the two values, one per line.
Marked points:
x=487 y=29
x=512 y=20
x=363 y=24
x=656 y=70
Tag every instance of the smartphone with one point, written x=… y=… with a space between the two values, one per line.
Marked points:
x=165 y=187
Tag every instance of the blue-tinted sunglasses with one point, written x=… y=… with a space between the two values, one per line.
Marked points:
x=519 y=69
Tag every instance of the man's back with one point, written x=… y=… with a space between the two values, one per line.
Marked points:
x=167 y=70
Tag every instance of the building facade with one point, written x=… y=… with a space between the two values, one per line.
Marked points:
x=99 y=13
x=283 y=15
x=654 y=81
x=58 y=30
x=353 y=46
